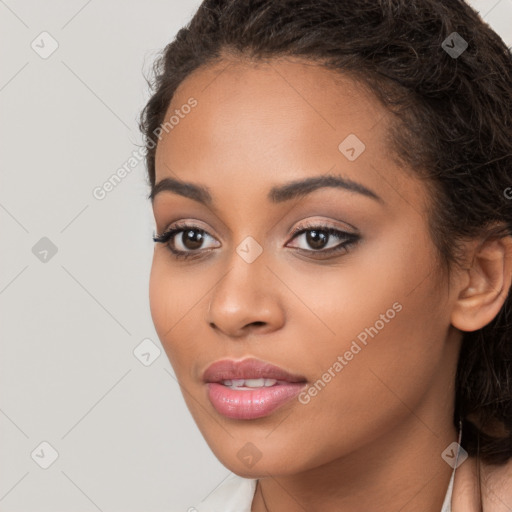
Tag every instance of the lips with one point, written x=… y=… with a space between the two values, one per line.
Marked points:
x=229 y=369
x=249 y=389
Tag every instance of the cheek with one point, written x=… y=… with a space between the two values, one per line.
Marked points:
x=372 y=390
x=178 y=298
x=171 y=299
x=385 y=318
x=161 y=298
x=386 y=368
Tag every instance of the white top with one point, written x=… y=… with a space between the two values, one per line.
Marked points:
x=235 y=494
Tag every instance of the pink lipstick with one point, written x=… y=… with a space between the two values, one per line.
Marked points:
x=250 y=388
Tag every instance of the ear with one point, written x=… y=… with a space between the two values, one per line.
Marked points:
x=484 y=285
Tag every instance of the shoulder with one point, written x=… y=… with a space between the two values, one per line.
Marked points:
x=493 y=487
x=497 y=487
x=234 y=494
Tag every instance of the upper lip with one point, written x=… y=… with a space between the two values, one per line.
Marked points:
x=250 y=368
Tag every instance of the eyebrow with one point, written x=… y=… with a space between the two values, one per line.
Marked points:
x=277 y=194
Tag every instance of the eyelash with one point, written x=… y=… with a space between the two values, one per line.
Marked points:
x=350 y=239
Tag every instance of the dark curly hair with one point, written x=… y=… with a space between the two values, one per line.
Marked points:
x=452 y=126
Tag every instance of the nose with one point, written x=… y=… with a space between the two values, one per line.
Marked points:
x=247 y=299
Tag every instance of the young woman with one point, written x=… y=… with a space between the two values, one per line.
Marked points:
x=332 y=188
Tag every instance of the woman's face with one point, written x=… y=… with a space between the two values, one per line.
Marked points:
x=367 y=325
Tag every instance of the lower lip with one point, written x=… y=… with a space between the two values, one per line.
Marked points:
x=251 y=403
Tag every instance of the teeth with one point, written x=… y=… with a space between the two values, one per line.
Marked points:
x=254 y=383
x=249 y=383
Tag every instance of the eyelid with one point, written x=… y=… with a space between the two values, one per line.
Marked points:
x=184 y=224
x=178 y=227
x=172 y=212
x=325 y=224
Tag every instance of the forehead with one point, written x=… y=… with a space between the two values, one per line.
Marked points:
x=258 y=124
x=272 y=103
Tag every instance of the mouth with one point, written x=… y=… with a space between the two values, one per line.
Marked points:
x=249 y=384
x=250 y=388
x=253 y=372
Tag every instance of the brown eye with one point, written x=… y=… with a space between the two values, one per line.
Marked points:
x=185 y=241
x=191 y=239
x=318 y=238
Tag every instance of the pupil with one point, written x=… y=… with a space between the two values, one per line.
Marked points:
x=193 y=239
x=316 y=239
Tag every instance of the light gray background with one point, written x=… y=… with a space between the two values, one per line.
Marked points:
x=69 y=326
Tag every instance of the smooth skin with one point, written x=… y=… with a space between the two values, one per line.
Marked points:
x=375 y=433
